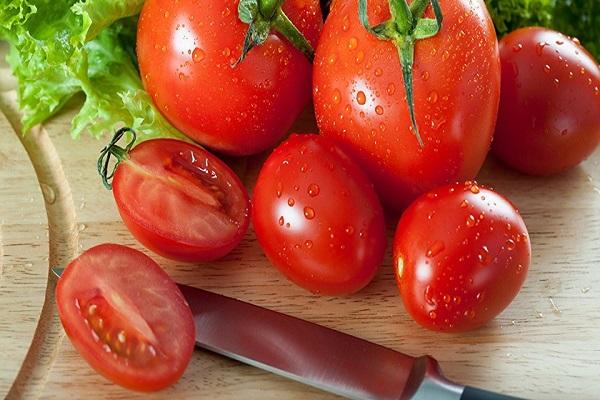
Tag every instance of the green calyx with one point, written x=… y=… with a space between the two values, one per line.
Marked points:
x=404 y=28
x=264 y=15
x=112 y=150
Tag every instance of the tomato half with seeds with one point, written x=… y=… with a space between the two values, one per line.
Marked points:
x=180 y=201
x=549 y=117
x=360 y=99
x=461 y=254
x=317 y=217
x=126 y=317
x=187 y=51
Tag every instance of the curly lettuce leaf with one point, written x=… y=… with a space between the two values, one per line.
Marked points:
x=579 y=18
x=62 y=47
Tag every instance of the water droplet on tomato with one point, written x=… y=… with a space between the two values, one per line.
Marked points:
x=304 y=167
x=349 y=229
x=313 y=190
x=510 y=244
x=336 y=97
x=576 y=41
x=470 y=221
x=166 y=14
x=197 y=55
x=281 y=221
x=378 y=72
x=345 y=23
x=457 y=299
x=445 y=55
x=352 y=43
x=517 y=48
x=331 y=58
x=391 y=89
x=360 y=56
x=539 y=48
x=379 y=110
x=425 y=75
x=484 y=255
x=308 y=244
x=361 y=98
x=429 y=295
x=226 y=12
x=309 y=213
x=464 y=203
x=279 y=188
x=432 y=314
x=596 y=90
x=436 y=248
x=547 y=68
x=432 y=97
x=226 y=52
x=296 y=188
x=291 y=202
x=474 y=189
x=556 y=81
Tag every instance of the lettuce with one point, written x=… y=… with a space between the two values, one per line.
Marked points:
x=578 y=18
x=63 y=47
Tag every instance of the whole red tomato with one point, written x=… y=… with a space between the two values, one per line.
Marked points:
x=549 y=117
x=317 y=217
x=186 y=50
x=461 y=254
x=360 y=99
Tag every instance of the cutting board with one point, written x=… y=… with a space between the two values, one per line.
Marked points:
x=545 y=345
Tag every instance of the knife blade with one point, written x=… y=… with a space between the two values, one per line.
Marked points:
x=316 y=355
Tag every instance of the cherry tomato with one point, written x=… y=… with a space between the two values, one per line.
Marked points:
x=317 y=217
x=180 y=201
x=186 y=50
x=126 y=317
x=461 y=254
x=549 y=117
x=360 y=99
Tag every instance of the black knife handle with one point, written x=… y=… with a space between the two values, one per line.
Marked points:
x=471 y=393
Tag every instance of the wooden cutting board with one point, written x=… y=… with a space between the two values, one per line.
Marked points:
x=546 y=345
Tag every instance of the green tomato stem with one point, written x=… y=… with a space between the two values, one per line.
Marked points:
x=282 y=24
x=111 y=149
x=401 y=15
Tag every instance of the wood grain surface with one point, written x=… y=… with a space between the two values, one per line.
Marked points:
x=546 y=345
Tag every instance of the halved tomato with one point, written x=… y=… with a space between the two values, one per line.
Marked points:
x=180 y=201
x=126 y=317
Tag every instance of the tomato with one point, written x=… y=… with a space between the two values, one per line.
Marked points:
x=549 y=118
x=461 y=254
x=186 y=50
x=317 y=217
x=180 y=201
x=126 y=317
x=360 y=99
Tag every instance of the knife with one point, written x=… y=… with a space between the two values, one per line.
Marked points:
x=315 y=355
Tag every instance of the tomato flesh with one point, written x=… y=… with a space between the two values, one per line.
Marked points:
x=461 y=254
x=549 y=117
x=360 y=99
x=186 y=50
x=317 y=217
x=180 y=201
x=126 y=317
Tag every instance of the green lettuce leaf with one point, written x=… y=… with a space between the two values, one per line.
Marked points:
x=62 y=47
x=578 y=18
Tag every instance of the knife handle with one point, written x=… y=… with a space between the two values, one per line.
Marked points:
x=471 y=393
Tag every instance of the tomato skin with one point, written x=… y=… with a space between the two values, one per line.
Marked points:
x=154 y=193
x=95 y=277
x=238 y=111
x=317 y=217
x=549 y=117
x=461 y=254
x=360 y=100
